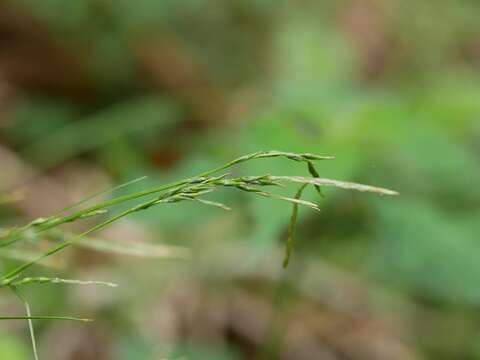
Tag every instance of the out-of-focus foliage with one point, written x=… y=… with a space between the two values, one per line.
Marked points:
x=97 y=92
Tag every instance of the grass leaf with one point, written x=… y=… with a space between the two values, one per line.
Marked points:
x=291 y=227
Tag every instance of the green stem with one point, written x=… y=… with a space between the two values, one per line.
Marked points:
x=8 y=278
x=121 y=199
x=68 y=318
x=29 y=318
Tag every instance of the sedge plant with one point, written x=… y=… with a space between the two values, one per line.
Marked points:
x=193 y=189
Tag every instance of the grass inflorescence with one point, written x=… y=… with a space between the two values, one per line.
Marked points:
x=191 y=189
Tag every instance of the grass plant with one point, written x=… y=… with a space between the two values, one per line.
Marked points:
x=191 y=189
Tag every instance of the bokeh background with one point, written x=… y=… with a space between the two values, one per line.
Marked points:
x=94 y=93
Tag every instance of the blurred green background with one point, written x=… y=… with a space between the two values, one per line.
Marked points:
x=95 y=92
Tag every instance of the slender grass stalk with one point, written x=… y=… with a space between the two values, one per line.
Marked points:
x=30 y=320
x=100 y=193
x=64 y=318
x=49 y=280
x=291 y=227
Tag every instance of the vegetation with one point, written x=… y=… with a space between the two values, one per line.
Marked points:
x=96 y=93
x=191 y=189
